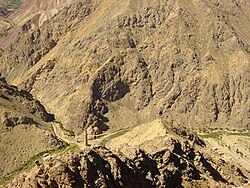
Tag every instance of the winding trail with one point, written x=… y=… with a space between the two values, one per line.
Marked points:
x=72 y=140
x=79 y=140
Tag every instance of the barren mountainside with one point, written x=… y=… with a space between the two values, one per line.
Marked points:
x=94 y=61
x=169 y=78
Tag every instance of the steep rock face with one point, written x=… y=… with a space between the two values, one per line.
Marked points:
x=138 y=61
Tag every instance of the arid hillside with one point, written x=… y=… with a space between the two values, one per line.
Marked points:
x=162 y=87
x=96 y=65
x=18 y=17
x=109 y=64
x=24 y=128
x=43 y=8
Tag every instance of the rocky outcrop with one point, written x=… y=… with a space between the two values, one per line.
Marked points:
x=179 y=165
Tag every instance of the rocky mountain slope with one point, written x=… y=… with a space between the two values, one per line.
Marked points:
x=109 y=64
x=24 y=130
x=163 y=158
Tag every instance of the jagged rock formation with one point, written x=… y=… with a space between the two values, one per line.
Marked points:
x=166 y=157
x=179 y=165
x=93 y=62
